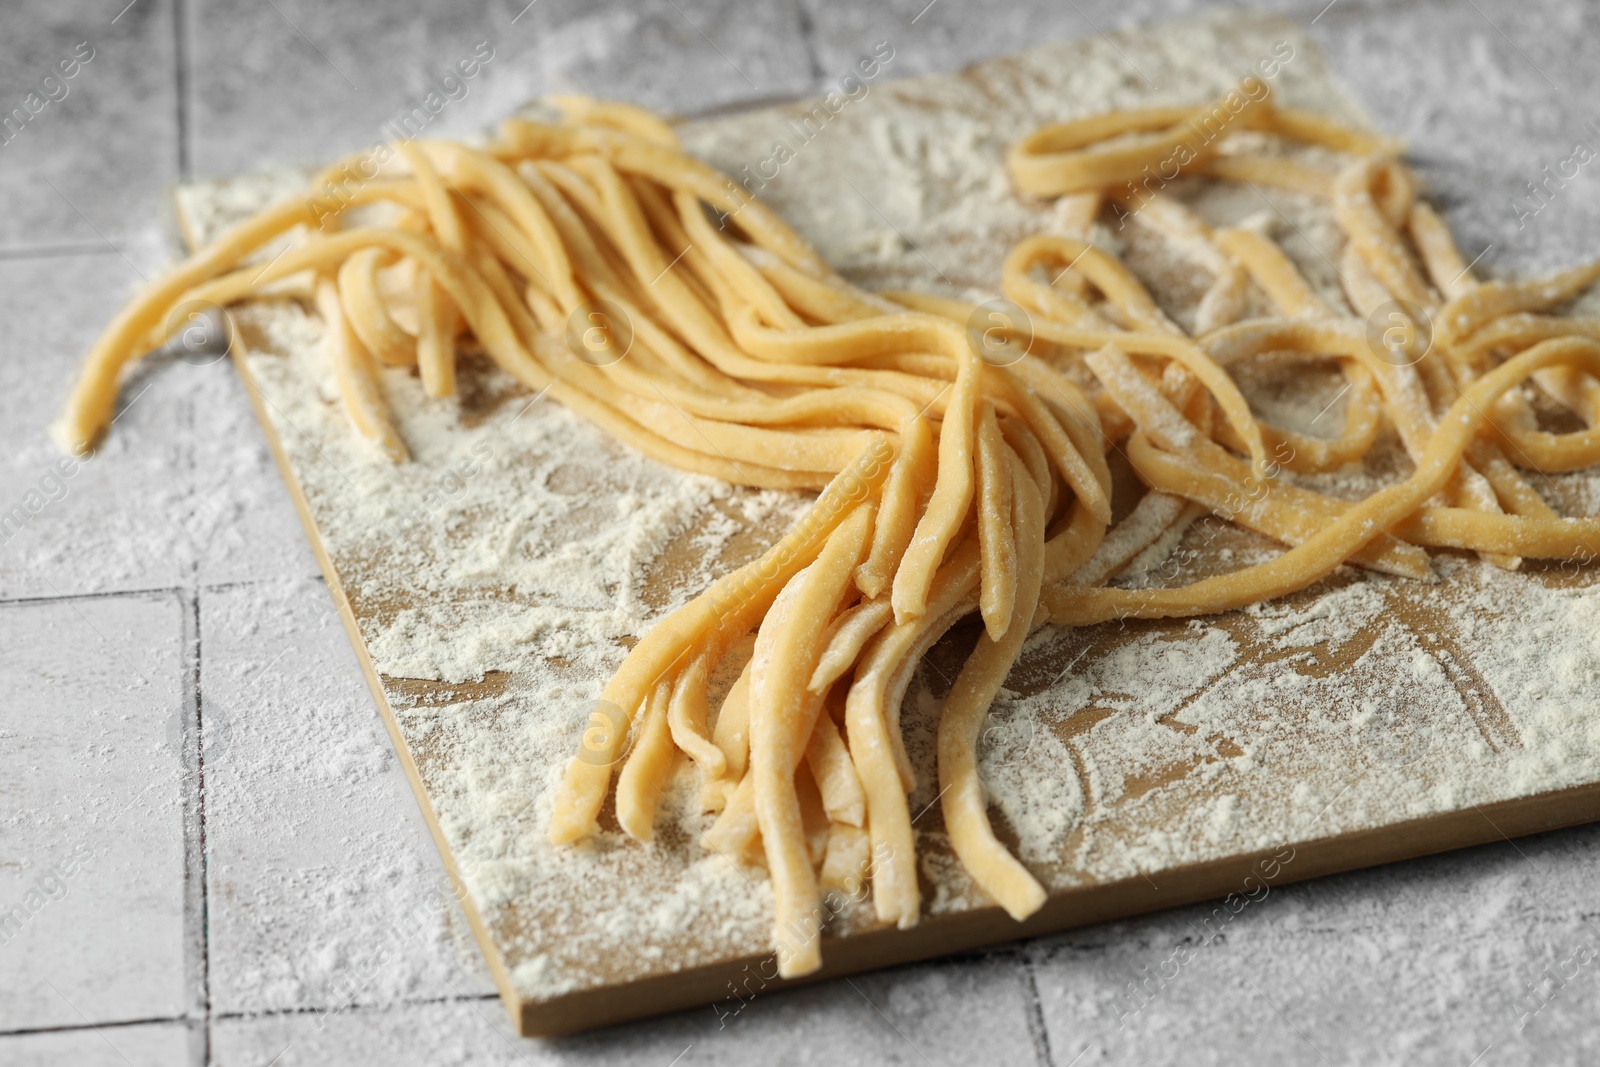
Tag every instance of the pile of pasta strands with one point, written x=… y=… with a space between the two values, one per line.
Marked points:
x=955 y=475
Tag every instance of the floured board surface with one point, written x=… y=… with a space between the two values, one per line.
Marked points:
x=491 y=586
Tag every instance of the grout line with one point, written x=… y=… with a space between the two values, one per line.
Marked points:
x=153 y=590
x=241 y=583
x=1035 y=1012
x=188 y=745
x=68 y=598
x=181 y=73
x=232 y=1016
x=280 y=1013
x=24 y=1031
x=202 y=938
x=199 y=1042
x=197 y=951
x=808 y=38
x=251 y=583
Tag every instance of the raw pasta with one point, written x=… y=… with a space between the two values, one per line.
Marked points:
x=594 y=259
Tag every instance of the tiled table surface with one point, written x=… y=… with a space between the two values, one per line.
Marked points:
x=186 y=897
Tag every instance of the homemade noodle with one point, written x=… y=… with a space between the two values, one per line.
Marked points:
x=961 y=469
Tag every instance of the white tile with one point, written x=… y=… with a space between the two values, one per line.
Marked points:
x=92 y=162
x=967 y=1012
x=1426 y=961
x=116 y=521
x=325 y=889
x=145 y=1045
x=930 y=38
x=1528 y=65
x=182 y=489
x=674 y=55
x=240 y=518
x=944 y=36
x=473 y=1033
x=91 y=831
x=298 y=82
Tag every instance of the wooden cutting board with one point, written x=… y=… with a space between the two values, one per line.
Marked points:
x=1133 y=766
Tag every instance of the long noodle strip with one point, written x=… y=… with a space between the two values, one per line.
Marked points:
x=949 y=485
x=1303 y=565
x=782 y=719
x=964 y=804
